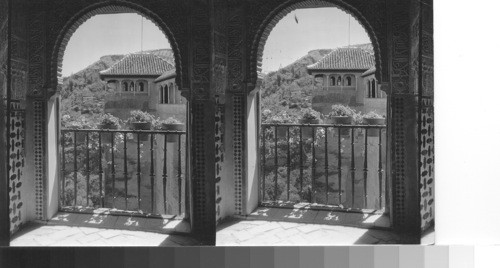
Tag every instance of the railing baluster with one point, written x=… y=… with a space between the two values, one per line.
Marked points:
x=63 y=169
x=380 y=167
x=326 y=164
x=353 y=169
x=288 y=164
x=365 y=169
x=139 y=169
x=339 y=168
x=263 y=177
x=125 y=171
x=113 y=172
x=101 y=195
x=165 y=173
x=83 y=165
x=75 y=167
x=275 y=163
x=152 y=172
x=88 y=168
x=179 y=174
x=313 y=167
x=301 y=165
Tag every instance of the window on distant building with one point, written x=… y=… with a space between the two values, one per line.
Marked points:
x=348 y=81
x=142 y=86
x=171 y=94
x=339 y=81
x=132 y=86
x=164 y=94
x=332 y=80
x=125 y=86
x=373 y=91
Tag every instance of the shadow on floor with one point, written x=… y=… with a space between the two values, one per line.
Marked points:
x=168 y=225
x=300 y=215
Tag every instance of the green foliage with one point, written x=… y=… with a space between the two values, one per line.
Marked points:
x=110 y=121
x=171 y=120
x=310 y=116
x=373 y=115
x=137 y=116
x=341 y=110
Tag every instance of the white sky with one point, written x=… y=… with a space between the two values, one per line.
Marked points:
x=110 y=34
x=317 y=28
x=121 y=33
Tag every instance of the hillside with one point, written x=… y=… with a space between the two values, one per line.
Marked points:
x=290 y=87
x=87 y=83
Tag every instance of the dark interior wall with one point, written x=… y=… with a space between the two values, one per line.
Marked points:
x=4 y=50
x=18 y=183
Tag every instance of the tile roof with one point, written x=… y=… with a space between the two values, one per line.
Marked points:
x=166 y=75
x=369 y=71
x=139 y=64
x=346 y=58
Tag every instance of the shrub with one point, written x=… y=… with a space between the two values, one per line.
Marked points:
x=158 y=124
x=110 y=121
x=80 y=124
x=140 y=116
x=310 y=115
x=373 y=115
x=341 y=110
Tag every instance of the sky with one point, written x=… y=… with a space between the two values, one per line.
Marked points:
x=316 y=28
x=121 y=34
x=110 y=34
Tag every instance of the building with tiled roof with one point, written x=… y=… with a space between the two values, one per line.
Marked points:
x=138 y=64
x=347 y=76
x=143 y=81
x=345 y=58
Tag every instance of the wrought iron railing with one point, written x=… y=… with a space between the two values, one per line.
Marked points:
x=126 y=171
x=336 y=166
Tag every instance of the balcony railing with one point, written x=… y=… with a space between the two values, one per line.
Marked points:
x=331 y=166
x=136 y=172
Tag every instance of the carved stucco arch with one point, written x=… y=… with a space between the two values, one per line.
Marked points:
x=107 y=7
x=271 y=20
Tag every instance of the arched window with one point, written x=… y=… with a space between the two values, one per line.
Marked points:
x=171 y=94
x=339 y=81
x=348 y=81
x=125 y=86
x=332 y=80
x=368 y=88
x=132 y=86
x=374 y=89
x=141 y=86
x=161 y=94
x=165 y=94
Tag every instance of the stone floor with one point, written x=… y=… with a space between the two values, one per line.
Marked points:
x=71 y=229
x=299 y=227
x=271 y=233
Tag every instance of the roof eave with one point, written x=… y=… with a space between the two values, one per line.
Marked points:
x=103 y=76
x=158 y=80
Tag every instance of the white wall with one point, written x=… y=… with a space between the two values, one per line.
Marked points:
x=467 y=124
x=252 y=156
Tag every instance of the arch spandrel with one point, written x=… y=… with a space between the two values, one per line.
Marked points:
x=67 y=16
